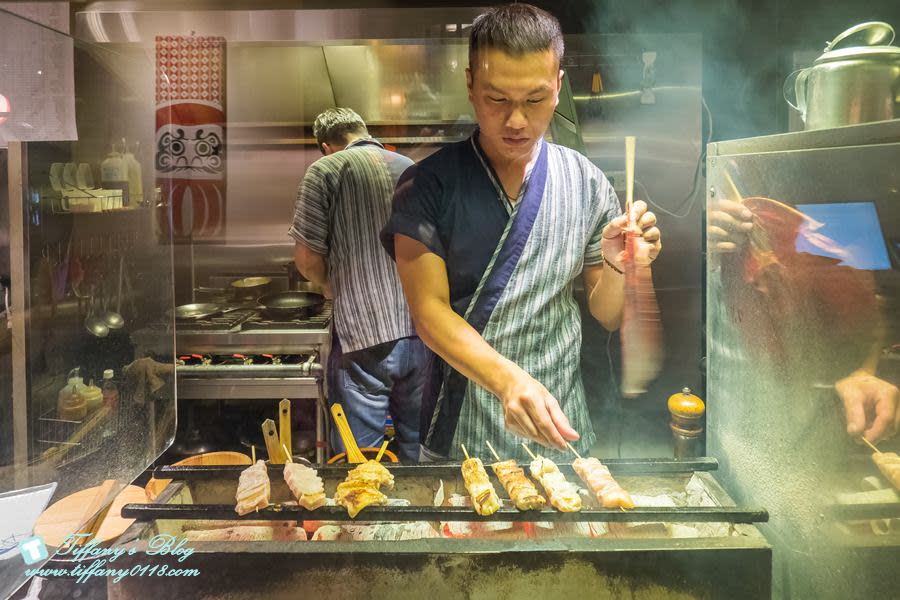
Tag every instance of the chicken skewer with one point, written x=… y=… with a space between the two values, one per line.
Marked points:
x=601 y=483
x=362 y=487
x=253 y=489
x=484 y=497
x=521 y=491
x=563 y=494
x=304 y=483
x=888 y=463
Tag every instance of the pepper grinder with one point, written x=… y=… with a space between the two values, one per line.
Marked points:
x=687 y=412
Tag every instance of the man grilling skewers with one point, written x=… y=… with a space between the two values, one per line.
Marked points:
x=490 y=235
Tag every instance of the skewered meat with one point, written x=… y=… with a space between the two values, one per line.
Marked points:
x=889 y=465
x=484 y=498
x=305 y=485
x=373 y=472
x=356 y=495
x=362 y=487
x=253 y=489
x=245 y=533
x=598 y=479
x=520 y=489
x=563 y=494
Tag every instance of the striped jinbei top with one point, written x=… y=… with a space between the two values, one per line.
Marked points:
x=342 y=204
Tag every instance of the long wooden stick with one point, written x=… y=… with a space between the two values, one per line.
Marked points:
x=466 y=452
x=381 y=451
x=491 y=448
x=287 y=454
x=871 y=445
x=528 y=450
x=253 y=453
x=629 y=178
x=574 y=451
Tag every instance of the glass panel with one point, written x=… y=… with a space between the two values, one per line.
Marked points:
x=90 y=262
x=803 y=340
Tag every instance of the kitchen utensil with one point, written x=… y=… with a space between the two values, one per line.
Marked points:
x=284 y=424
x=95 y=325
x=202 y=310
x=250 y=288
x=113 y=319
x=368 y=453
x=343 y=427
x=273 y=446
x=856 y=80
x=155 y=487
x=67 y=515
x=291 y=305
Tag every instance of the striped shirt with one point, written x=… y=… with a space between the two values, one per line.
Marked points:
x=342 y=204
x=449 y=203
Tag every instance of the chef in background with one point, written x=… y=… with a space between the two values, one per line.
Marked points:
x=376 y=363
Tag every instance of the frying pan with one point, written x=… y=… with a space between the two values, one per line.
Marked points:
x=195 y=312
x=283 y=306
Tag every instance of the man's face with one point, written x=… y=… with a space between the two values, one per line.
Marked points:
x=514 y=98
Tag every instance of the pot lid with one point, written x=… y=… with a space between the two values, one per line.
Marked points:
x=873 y=33
x=874 y=53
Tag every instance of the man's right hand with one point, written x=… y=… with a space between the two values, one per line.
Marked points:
x=728 y=223
x=531 y=411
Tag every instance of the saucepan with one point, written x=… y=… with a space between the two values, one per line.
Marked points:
x=283 y=306
x=249 y=288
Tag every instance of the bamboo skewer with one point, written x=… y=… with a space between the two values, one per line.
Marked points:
x=381 y=451
x=253 y=453
x=574 y=451
x=629 y=178
x=871 y=445
x=732 y=187
x=463 y=446
x=491 y=448
x=528 y=450
x=287 y=455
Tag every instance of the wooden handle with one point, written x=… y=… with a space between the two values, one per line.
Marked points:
x=96 y=511
x=273 y=446
x=284 y=424
x=629 y=176
x=340 y=419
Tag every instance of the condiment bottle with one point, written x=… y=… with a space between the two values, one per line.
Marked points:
x=114 y=174
x=687 y=412
x=73 y=407
x=110 y=390
x=135 y=184
x=92 y=396
x=74 y=386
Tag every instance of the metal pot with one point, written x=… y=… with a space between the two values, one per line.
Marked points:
x=249 y=288
x=856 y=80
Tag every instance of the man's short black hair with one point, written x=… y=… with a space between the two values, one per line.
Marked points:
x=516 y=29
x=336 y=125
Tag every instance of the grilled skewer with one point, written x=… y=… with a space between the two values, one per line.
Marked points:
x=362 y=487
x=253 y=489
x=563 y=494
x=521 y=491
x=484 y=498
x=888 y=463
x=601 y=483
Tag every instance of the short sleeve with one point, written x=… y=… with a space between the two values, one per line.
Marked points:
x=417 y=208
x=311 y=213
x=607 y=204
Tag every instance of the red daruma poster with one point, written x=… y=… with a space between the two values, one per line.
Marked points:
x=190 y=134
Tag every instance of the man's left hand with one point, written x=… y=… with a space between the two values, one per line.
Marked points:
x=870 y=404
x=647 y=246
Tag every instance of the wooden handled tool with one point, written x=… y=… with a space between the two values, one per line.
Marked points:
x=270 y=435
x=340 y=420
x=284 y=425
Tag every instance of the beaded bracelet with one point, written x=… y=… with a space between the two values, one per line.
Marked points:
x=613 y=267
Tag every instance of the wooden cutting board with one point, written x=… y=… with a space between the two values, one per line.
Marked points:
x=66 y=516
